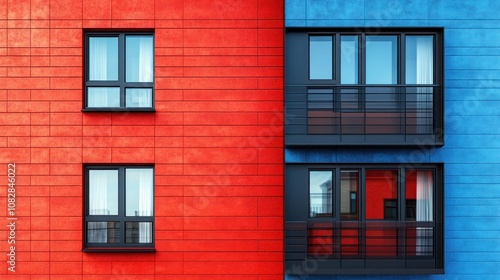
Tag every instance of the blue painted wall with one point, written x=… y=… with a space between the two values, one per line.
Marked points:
x=472 y=120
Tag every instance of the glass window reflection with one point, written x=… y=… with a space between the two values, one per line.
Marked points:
x=138 y=97
x=320 y=57
x=103 y=192
x=103 y=97
x=103 y=58
x=349 y=60
x=139 y=58
x=320 y=193
x=381 y=60
x=139 y=192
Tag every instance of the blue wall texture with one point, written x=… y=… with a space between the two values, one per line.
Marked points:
x=472 y=120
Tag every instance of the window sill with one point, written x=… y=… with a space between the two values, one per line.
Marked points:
x=118 y=109
x=118 y=249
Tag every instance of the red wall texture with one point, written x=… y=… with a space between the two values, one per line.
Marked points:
x=215 y=138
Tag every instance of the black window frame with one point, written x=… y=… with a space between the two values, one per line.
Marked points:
x=300 y=130
x=121 y=217
x=121 y=82
x=299 y=223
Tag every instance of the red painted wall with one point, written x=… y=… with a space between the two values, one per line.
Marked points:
x=215 y=138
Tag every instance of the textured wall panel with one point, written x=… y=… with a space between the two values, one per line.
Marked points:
x=472 y=129
x=215 y=138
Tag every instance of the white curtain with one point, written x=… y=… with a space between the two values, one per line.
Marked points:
x=98 y=205
x=425 y=212
x=146 y=59
x=145 y=204
x=98 y=71
x=141 y=50
x=424 y=76
x=98 y=49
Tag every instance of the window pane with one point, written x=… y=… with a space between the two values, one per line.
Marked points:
x=349 y=59
x=139 y=58
x=420 y=208
x=139 y=97
x=349 y=195
x=138 y=232
x=419 y=195
x=381 y=204
x=103 y=97
x=381 y=195
x=419 y=59
x=320 y=192
x=139 y=192
x=320 y=57
x=103 y=58
x=103 y=192
x=103 y=232
x=381 y=60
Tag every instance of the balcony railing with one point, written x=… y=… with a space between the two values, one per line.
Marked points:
x=353 y=245
x=370 y=110
x=370 y=240
x=405 y=112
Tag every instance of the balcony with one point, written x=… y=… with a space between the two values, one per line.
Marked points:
x=364 y=115
x=376 y=247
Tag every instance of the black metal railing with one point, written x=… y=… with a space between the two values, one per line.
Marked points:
x=360 y=240
x=374 y=109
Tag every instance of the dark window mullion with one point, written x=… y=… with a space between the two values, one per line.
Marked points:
x=140 y=85
x=362 y=193
x=336 y=183
x=438 y=79
x=336 y=58
x=401 y=91
x=337 y=105
x=87 y=190
x=121 y=67
x=103 y=84
x=437 y=192
x=360 y=57
x=362 y=75
x=86 y=204
x=402 y=194
x=138 y=218
x=121 y=203
x=87 y=58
